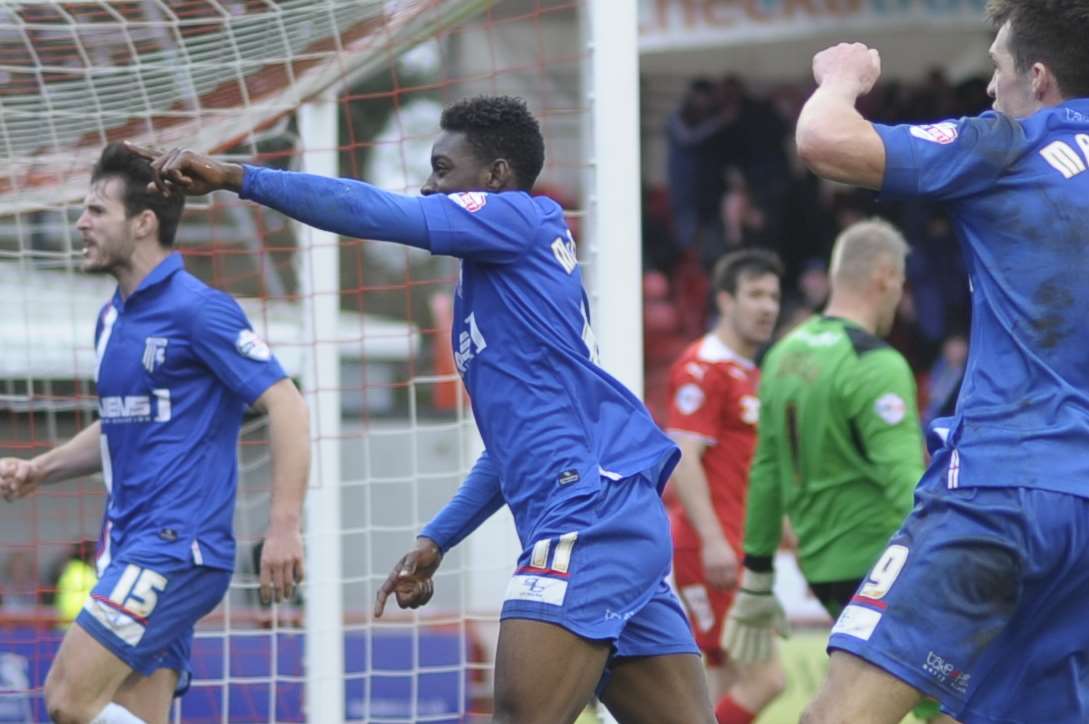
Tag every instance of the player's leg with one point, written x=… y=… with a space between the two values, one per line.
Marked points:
x=666 y=689
x=721 y=677
x=927 y=619
x=590 y=569
x=82 y=679
x=544 y=674
x=756 y=686
x=149 y=697
x=856 y=691
x=141 y=613
x=706 y=609
x=835 y=596
x=738 y=693
x=656 y=674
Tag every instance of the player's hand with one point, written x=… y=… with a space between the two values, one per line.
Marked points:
x=754 y=619
x=410 y=579
x=187 y=172
x=281 y=562
x=719 y=563
x=852 y=64
x=18 y=478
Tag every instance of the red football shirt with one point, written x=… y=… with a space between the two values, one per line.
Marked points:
x=713 y=396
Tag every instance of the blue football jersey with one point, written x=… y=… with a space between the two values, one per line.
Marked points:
x=552 y=420
x=178 y=364
x=1018 y=195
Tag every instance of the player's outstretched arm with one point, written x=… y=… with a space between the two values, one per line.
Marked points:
x=833 y=138
x=289 y=433
x=82 y=455
x=343 y=206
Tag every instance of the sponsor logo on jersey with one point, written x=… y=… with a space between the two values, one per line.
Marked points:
x=688 y=399
x=250 y=345
x=154 y=352
x=943 y=133
x=946 y=672
x=471 y=201
x=539 y=589
x=890 y=407
x=135 y=408
x=568 y=476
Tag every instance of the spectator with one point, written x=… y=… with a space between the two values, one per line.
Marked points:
x=19 y=589
x=74 y=582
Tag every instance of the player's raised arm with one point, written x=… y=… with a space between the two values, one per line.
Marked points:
x=289 y=433
x=82 y=455
x=833 y=138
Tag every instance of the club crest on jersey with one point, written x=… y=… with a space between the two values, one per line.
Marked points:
x=250 y=345
x=154 y=352
x=688 y=399
x=943 y=133
x=471 y=201
x=890 y=407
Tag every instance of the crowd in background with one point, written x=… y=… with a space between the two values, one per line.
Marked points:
x=734 y=180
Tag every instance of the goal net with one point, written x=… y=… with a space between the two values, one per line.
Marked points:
x=347 y=87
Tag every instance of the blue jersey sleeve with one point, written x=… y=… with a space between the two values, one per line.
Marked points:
x=950 y=160
x=478 y=497
x=223 y=339
x=483 y=227
x=343 y=206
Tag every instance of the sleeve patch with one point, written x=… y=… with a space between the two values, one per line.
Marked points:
x=943 y=133
x=471 y=201
x=688 y=399
x=250 y=345
x=890 y=407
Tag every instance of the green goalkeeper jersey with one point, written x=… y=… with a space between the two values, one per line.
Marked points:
x=839 y=448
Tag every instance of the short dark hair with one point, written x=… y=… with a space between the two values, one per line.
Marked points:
x=744 y=262
x=500 y=127
x=117 y=161
x=1052 y=32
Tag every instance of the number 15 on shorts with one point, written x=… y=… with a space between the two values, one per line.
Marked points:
x=137 y=591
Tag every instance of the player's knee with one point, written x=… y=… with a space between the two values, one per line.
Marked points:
x=63 y=705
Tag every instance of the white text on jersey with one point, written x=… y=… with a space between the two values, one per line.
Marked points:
x=1065 y=159
x=564 y=251
x=135 y=408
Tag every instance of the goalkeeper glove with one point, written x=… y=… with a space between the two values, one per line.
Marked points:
x=754 y=617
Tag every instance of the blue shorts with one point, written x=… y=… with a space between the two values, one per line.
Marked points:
x=144 y=608
x=598 y=567
x=980 y=601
